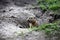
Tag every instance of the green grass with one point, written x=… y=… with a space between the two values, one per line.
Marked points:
x=48 y=28
x=49 y=4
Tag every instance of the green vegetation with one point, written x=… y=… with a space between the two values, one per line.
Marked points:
x=48 y=28
x=49 y=4
x=51 y=28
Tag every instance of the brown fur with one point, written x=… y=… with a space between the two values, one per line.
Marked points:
x=32 y=21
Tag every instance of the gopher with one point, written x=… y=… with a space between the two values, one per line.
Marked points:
x=32 y=21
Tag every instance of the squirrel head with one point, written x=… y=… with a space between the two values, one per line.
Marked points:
x=31 y=20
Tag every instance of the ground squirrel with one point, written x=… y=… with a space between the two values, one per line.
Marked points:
x=32 y=21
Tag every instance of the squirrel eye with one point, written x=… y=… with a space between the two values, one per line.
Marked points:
x=30 y=18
